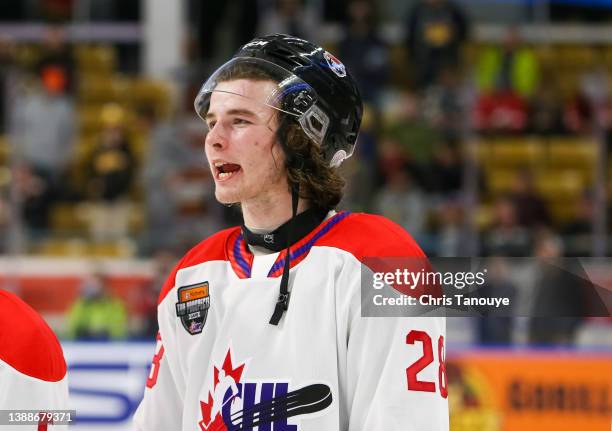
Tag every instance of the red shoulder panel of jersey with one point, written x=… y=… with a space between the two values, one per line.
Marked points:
x=27 y=343
x=212 y=248
x=368 y=235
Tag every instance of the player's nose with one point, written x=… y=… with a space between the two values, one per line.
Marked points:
x=216 y=137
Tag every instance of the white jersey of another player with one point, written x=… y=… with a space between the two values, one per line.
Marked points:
x=324 y=367
x=32 y=366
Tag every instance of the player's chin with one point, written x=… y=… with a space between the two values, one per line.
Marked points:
x=225 y=196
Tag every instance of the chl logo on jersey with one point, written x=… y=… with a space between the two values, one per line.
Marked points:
x=192 y=306
x=234 y=404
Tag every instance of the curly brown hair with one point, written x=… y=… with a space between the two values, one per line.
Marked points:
x=319 y=183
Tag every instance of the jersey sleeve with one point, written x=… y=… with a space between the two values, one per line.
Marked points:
x=32 y=394
x=396 y=378
x=161 y=407
x=395 y=368
x=33 y=373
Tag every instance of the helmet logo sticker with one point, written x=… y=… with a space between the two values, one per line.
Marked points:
x=335 y=65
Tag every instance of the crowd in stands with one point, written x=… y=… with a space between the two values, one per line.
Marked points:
x=94 y=154
x=71 y=132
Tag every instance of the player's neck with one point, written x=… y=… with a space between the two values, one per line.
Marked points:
x=267 y=215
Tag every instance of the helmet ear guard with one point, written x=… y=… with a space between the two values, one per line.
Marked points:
x=315 y=123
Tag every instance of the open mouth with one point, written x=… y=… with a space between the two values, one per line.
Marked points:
x=224 y=171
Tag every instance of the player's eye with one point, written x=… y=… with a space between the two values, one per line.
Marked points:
x=241 y=121
x=211 y=124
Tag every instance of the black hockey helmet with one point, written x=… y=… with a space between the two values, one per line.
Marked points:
x=313 y=87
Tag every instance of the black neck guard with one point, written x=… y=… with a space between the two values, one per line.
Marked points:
x=277 y=240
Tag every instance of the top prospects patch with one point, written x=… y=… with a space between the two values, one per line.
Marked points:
x=192 y=306
x=335 y=65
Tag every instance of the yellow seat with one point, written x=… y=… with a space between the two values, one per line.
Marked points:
x=119 y=248
x=62 y=247
x=562 y=212
x=499 y=181
x=99 y=60
x=400 y=73
x=99 y=90
x=65 y=218
x=560 y=185
x=572 y=153
x=149 y=92
x=516 y=152
x=89 y=119
x=483 y=152
x=4 y=150
x=137 y=218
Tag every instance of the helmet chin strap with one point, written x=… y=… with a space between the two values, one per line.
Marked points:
x=282 y=303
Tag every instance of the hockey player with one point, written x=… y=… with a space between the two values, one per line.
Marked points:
x=32 y=369
x=274 y=306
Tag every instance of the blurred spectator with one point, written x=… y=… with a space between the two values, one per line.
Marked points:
x=506 y=237
x=334 y=10
x=559 y=302
x=42 y=136
x=578 y=232
x=7 y=60
x=401 y=201
x=391 y=159
x=176 y=181
x=110 y=169
x=197 y=212
x=494 y=329
x=446 y=170
x=43 y=127
x=453 y=240
x=593 y=12
x=546 y=110
x=501 y=112
x=435 y=32
x=56 y=58
x=361 y=169
x=590 y=103
x=36 y=196
x=163 y=262
x=97 y=314
x=445 y=104
x=530 y=206
x=366 y=148
x=511 y=67
x=212 y=15
x=4 y=221
x=363 y=52
x=579 y=114
x=595 y=86
x=112 y=10
x=291 y=17
x=406 y=123
x=506 y=78
x=160 y=174
x=56 y=10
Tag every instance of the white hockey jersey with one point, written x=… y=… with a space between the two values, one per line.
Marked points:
x=219 y=364
x=32 y=366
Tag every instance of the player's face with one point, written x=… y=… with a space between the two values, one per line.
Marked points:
x=246 y=161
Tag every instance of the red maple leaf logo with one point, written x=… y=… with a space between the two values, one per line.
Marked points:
x=216 y=424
